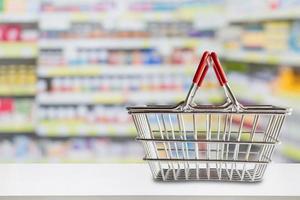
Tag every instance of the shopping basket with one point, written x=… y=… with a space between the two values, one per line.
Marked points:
x=229 y=142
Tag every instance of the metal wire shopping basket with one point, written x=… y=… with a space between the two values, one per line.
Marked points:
x=230 y=142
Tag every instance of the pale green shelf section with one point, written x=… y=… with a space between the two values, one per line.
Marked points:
x=61 y=128
x=18 y=50
x=6 y=90
x=98 y=70
x=291 y=152
x=15 y=127
x=288 y=58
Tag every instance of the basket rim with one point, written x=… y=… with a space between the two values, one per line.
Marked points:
x=204 y=160
x=273 y=142
x=263 y=110
x=247 y=109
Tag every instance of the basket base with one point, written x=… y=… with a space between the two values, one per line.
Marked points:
x=206 y=175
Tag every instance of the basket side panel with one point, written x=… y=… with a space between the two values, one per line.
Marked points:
x=215 y=171
x=271 y=133
x=143 y=127
x=229 y=146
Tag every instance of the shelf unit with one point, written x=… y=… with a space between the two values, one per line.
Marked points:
x=18 y=51
x=18 y=58
x=270 y=23
x=60 y=21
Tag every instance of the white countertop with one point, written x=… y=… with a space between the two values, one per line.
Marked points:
x=133 y=180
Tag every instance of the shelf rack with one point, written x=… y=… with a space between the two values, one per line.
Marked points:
x=17 y=50
x=18 y=53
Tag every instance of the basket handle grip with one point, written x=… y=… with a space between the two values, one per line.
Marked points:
x=203 y=68
x=218 y=69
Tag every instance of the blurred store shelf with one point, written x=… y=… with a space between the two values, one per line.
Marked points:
x=127 y=16
x=15 y=127
x=109 y=97
x=283 y=14
x=18 y=18
x=286 y=58
x=18 y=50
x=56 y=40
x=18 y=91
x=64 y=128
x=127 y=43
x=101 y=70
x=291 y=152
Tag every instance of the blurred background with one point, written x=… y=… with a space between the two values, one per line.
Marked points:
x=68 y=69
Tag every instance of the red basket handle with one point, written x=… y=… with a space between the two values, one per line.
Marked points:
x=218 y=69
x=203 y=68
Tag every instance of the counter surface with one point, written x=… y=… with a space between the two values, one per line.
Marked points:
x=133 y=180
